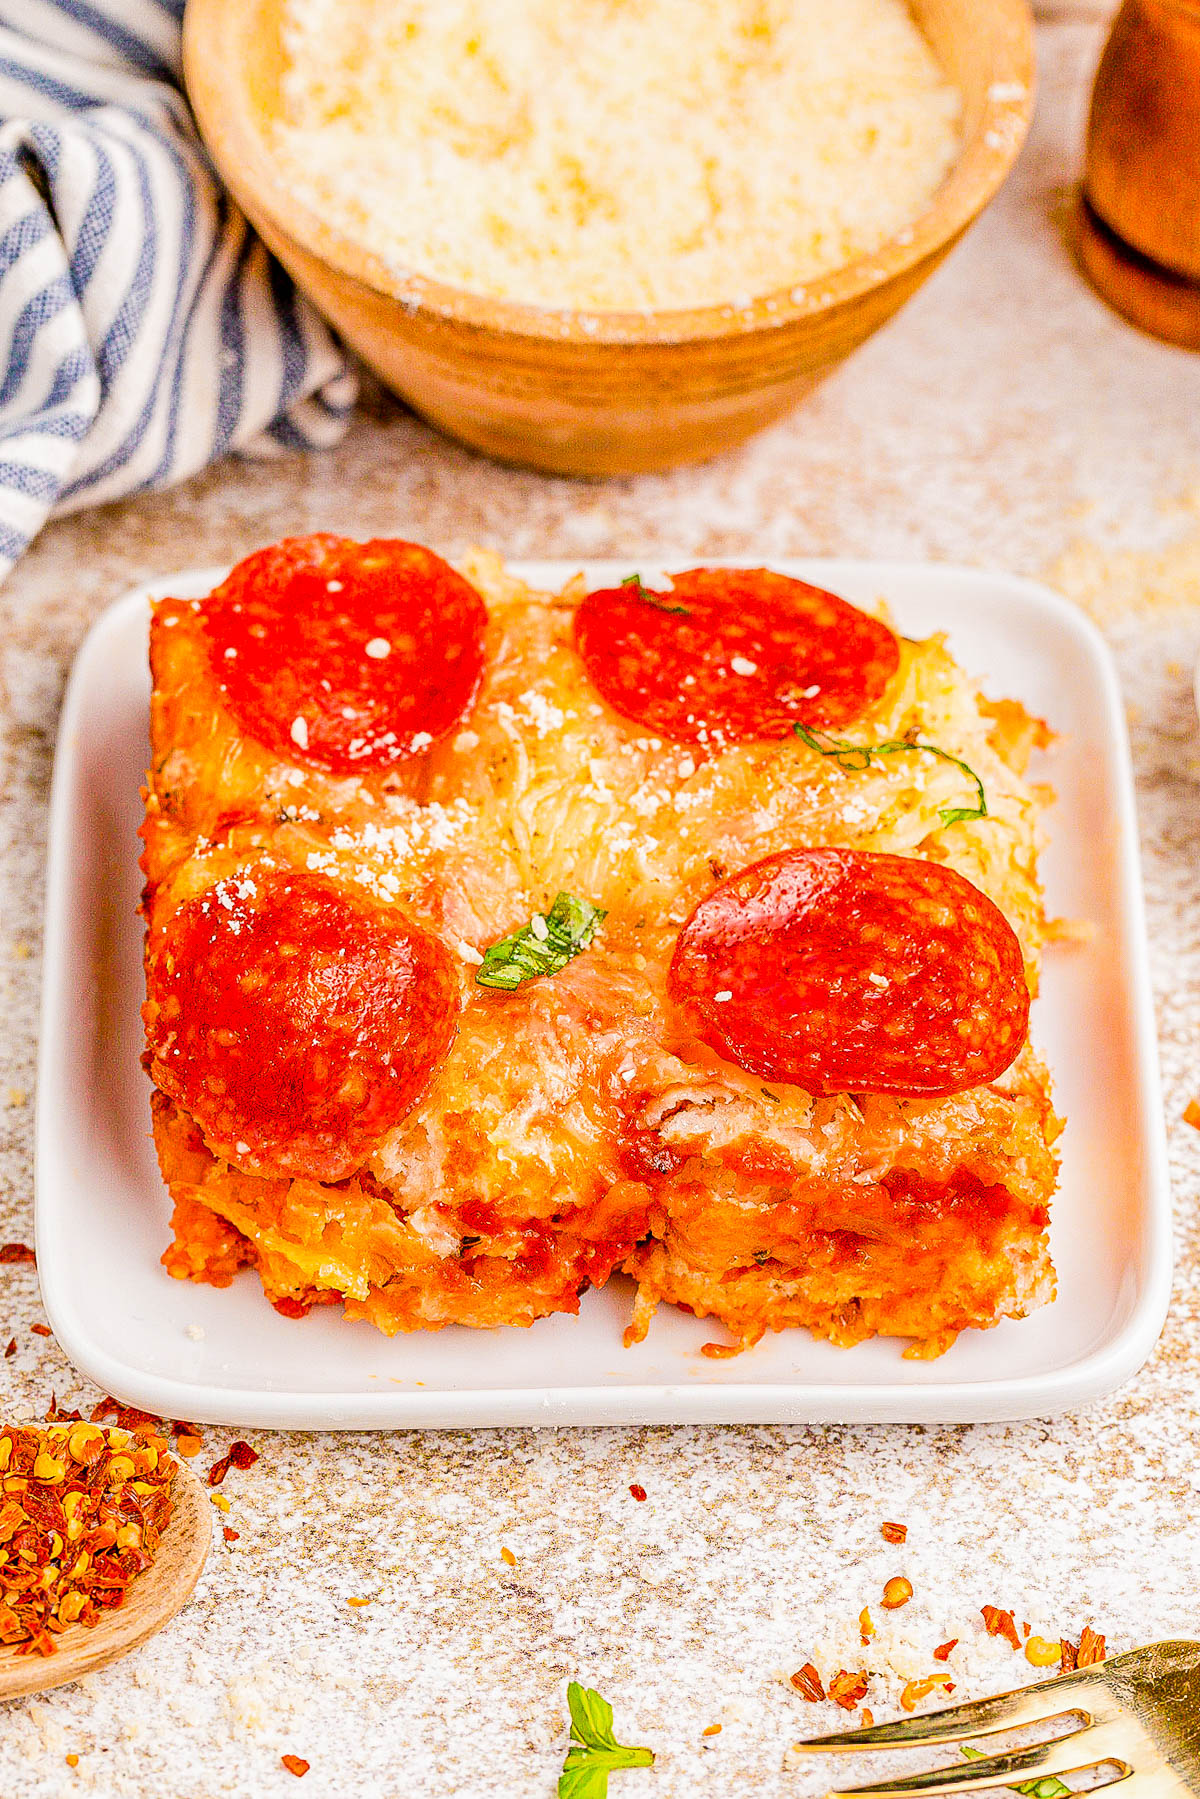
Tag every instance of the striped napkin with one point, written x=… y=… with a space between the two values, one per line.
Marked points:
x=143 y=328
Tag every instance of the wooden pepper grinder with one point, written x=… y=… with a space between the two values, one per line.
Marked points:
x=1139 y=226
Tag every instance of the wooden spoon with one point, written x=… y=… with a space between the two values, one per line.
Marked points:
x=152 y=1599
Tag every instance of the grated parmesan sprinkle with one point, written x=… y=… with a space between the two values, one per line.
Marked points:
x=469 y=140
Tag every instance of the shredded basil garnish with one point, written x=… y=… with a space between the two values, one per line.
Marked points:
x=543 y=946
x=652 y=599
x=856 y=758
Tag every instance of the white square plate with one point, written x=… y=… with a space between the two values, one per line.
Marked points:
x=223 y=1356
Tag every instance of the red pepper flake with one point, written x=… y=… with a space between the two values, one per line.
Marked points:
x=61 y=1414
x=82 y=1516
x=916 y=1690
x=942 y=1652
x=894 y=1533
x=1000 y=1624
x=17 y=1252
x=1091 y=1648
x=12 y=1347
x=807 y=1683
x=711 y=1730
x=40 y=1330
x=238 y=1455
x=295 y=1764
x=506 y=1555
x=846 y=1689
x=639 y=1492
x=189 y=1446
x=72 y=1760
x=127 y=1417
x=867 y=1719
x=230 y=1535
x=1191 y=1114
x=1068 y=1659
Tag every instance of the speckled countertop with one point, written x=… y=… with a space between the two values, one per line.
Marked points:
x=1006 y=419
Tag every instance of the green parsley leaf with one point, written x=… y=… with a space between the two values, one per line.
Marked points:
x=594 y=1753
x=583 y=1781
x=543 y=946
x=1047 y=1786
x=653 y=599
x=856 y=758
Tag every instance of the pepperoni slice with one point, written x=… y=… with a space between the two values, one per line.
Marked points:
x=849 y=972
x=342 y=655
x=734 y=653
x=295 y=1026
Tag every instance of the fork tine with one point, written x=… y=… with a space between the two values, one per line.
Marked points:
x=1069 y=1755
x=979 y=1717
x=1161 y=1782
x=999 y=1785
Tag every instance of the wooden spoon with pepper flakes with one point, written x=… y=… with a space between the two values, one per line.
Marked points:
x=151 y=1597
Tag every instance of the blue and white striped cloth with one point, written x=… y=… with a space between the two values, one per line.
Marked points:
x=143 y=328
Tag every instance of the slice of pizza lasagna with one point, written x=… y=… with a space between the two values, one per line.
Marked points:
x=498 y=940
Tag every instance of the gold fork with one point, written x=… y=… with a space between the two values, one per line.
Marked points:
x=1139 y=1711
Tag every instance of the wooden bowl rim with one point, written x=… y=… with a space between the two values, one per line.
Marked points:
x=226 y=120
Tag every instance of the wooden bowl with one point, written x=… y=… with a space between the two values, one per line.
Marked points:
x=608 y=393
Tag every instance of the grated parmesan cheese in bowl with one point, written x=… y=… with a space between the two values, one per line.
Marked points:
x=614 y=154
